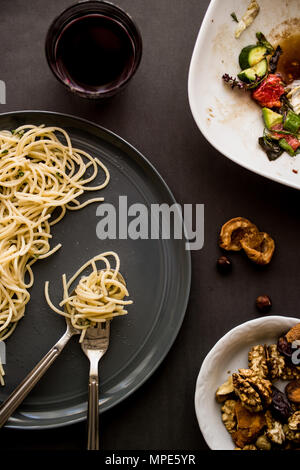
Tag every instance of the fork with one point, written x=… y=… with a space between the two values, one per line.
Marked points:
x=95 y=345
x=20 y=393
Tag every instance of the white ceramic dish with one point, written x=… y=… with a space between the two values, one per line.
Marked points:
x=229 y=354
x=228 y=118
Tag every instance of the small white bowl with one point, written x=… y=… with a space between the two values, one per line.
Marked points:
x=229 y=354
x=229 y=119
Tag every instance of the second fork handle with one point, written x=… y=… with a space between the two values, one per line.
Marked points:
x=93 y=413
x=20 y=393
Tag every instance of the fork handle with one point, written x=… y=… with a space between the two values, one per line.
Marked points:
x=93 y=414
x=20 y=393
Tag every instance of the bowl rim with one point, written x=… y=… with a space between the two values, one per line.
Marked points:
x=207 y=362
x=200 y=43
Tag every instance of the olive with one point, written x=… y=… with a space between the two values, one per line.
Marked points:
x=263 y=303
x=224 y=264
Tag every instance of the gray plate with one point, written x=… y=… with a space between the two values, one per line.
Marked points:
x=158 y=274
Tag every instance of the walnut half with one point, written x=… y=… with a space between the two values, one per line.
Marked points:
x=254 y=392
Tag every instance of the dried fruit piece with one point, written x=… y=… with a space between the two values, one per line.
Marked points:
x=257 y=361
x=275 y=361
x=293 y=334
x=292 y=391
x=274 y=431
x=249 y=425
x=254 y=392
x=225 y=390
x=228 y=415
x=284 y=347
x=280 y=405
x=233 y=231
x=259 y=247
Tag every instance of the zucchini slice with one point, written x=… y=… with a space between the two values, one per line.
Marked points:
x=251 y=55
x=271 y=118
x=258 y=70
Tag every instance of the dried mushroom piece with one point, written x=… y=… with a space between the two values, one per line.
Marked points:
x=228 y=415
x=259 y=247
x=254 y=392
x=233 y=231
x=224 y=391
x=292 y=391
x=293 y=334
x=275 y=432
x=275 y=361
x=257 y=361
x=249 y=425
x=263 y=443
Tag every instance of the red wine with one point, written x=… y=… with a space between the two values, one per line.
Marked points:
x=95 y=52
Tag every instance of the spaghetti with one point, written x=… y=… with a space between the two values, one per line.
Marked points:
x=96 y=298
x=38 y=174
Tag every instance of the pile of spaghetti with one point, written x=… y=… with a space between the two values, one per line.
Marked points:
x=38 y=174
x=97 y=297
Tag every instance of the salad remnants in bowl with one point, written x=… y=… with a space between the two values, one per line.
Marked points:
x=279 y=100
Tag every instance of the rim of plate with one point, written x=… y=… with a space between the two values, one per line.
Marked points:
x=200 y=42
x=80 y=418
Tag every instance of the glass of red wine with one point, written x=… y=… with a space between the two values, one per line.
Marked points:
x=94 y=48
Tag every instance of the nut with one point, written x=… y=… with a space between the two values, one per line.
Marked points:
x=290 y=373
x=228 y=415
x=275 y=361
x=259 y=247
x=292 y=429
x=263 y=303
x=224 y=264
x=275 y=431
x=233 y=231
x=292 y=391
x=254 y=392
x=257 y=361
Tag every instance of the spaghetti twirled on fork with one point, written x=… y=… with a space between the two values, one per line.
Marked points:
x=97 y=297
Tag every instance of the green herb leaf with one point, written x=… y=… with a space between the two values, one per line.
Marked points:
x=21 y=173
x=4 y=152
x=271 y=147
x=262 y=41
x=234 y=17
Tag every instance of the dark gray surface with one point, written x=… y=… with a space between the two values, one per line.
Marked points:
x=153 y=114
x=157 y=272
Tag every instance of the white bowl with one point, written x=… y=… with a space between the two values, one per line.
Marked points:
x=229 y=119
x=229 y=354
